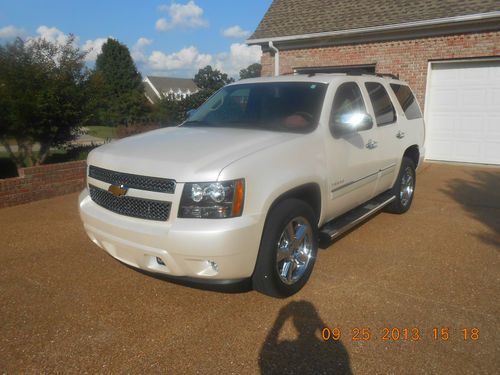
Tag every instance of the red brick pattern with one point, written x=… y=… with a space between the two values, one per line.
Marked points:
x=408 y=58
x=42 y=182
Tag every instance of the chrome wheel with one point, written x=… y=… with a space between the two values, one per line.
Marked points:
x=407 y=186
x=295 y=249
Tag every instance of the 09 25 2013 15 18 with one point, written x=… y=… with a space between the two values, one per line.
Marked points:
x=401 y=334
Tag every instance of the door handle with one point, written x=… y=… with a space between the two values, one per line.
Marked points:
x=371 y=144
x=400 y=134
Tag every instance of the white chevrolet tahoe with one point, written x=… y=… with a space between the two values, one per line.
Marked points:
x=262 y=174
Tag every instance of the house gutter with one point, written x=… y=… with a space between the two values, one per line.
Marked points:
x=276 y=58
x=362 y=30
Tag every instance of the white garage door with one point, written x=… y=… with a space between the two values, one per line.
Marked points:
x=463 y=113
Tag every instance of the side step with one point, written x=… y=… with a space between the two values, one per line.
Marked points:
x=338 y=226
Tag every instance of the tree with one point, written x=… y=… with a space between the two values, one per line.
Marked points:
x=43 y=97
x=252 y=71
x=118 y=85
x=211 y=80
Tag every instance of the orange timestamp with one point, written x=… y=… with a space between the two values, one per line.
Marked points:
x=399 y=334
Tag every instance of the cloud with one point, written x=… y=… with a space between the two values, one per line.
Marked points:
x=162 y=25
x=93 y=47
x=188 y=58
x=53 y=35
x=187 y=61
x=239 y=57
x=58 y=37
x=142 y=42
x=235 y=32
x=11 y=32
x=137 y=50
x=181 y=15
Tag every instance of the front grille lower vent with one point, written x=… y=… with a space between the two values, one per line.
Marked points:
x=133 y=181
x=131 y=206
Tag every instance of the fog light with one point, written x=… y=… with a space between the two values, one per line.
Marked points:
x=160 y=261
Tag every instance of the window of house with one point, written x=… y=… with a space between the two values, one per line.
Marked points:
x=407 y=101
x=385 y=113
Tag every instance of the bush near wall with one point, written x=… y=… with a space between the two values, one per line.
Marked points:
x=41 y=182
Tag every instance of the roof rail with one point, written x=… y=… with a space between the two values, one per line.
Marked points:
x=349 y=72
x=390 y=75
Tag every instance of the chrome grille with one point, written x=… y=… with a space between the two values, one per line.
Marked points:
x=133 y=181
x=131 y=206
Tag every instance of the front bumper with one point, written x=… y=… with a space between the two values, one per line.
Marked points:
x=189 y=248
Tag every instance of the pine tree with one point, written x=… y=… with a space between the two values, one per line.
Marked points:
x=120 y=98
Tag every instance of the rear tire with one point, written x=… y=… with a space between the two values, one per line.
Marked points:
x=288 y=249
x=404 y=188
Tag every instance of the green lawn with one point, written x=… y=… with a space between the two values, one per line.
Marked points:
x=102 y=131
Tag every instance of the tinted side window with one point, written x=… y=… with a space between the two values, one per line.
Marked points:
x=407 y=101
x=348 y=99
x=385 y=113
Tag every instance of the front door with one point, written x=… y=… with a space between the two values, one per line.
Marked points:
x=353 y=158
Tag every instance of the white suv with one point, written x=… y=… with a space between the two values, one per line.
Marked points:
x=258 y=177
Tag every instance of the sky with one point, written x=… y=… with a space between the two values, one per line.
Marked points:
x=168 y=38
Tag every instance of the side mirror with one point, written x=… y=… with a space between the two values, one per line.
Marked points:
x=346 y=123
x=190 y=112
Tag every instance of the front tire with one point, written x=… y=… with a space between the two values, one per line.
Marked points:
x=404 y=188
x=288 y=249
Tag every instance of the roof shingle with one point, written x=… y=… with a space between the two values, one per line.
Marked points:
x=164 y=84
x=296 y=17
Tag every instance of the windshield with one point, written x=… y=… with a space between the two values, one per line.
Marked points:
x=278 y=106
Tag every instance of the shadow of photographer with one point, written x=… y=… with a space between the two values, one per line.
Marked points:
x=308 y=353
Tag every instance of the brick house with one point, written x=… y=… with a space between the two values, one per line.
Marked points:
x=448 y=51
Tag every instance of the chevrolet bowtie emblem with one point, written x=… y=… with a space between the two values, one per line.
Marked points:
x=118 y=191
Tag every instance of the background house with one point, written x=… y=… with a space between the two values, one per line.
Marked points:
x=449 y=52
x=156 y=88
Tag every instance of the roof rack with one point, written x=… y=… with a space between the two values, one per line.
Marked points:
x=390 y=75
x=349 y=72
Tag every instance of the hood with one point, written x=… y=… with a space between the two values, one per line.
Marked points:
x=183 y=153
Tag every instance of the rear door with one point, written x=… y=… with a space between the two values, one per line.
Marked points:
x=387 y=133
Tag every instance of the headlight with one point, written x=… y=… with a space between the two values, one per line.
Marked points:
x=212 y=200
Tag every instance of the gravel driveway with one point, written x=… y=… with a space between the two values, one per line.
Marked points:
x=68 y=307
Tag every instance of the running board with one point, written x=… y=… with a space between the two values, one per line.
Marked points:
x=338 y=226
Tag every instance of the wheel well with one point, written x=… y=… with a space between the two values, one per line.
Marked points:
x=308 y=193
x=413 y=153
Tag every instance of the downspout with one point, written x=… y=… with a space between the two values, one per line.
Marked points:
x=276 y=58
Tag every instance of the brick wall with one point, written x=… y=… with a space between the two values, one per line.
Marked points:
x=42 y=182
x=408 y=58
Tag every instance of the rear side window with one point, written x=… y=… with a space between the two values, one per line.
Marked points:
x=385 y=113
x=407 y=101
